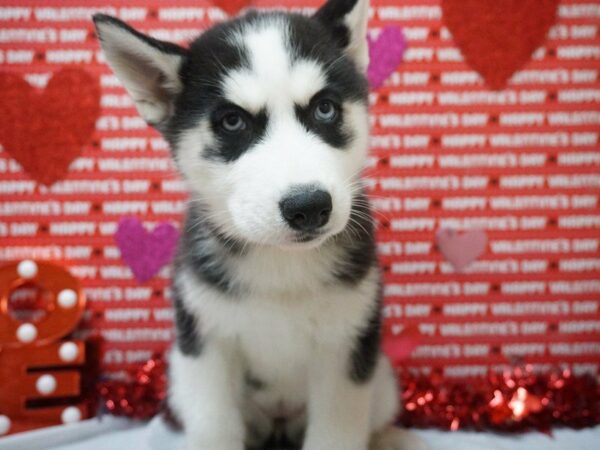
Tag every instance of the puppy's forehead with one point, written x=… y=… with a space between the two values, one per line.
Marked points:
x=274 y=75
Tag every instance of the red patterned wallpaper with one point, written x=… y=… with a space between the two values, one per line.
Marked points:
x=522 y=164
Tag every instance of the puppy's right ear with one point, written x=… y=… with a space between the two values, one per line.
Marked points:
x=147 y=68
x=349 y=18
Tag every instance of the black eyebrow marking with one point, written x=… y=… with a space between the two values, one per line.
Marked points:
x=229 y=147
x=328 y=92
x=222 y=108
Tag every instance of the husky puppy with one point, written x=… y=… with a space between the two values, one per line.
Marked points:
x=276 y=286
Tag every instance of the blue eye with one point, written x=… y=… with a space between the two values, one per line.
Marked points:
x=325 y=111
x=233 y=122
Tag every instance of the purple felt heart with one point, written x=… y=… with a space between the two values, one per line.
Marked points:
x=145 y=253
x=385 y=54
x=461 y=248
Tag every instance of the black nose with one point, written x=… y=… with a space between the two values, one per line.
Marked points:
x=306 y=209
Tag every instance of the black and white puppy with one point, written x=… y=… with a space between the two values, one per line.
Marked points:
x=276 y=285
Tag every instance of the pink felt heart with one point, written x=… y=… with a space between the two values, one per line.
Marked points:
x=400 y=348
x=385 y=54
x=145 y=253
x=461 y=248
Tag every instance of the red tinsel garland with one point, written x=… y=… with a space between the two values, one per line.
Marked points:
x=139 y=397
x=516 y=400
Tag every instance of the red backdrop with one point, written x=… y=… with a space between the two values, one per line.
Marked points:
x=522 y=164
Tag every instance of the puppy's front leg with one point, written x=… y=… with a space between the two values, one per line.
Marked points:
x=205 y=393
x=338 y=408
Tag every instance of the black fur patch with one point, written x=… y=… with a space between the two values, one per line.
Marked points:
x=253 y=383
x=332 y=15
x=311 y=39
x=186 y=326
x=335 y=10
x=334 y=134
x=232 y=146
x=364 y=355
x=206 y=250
x=358 y=242
x=211 y=56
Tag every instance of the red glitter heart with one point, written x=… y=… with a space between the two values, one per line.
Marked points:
x=497 y=37
x=232 y=7
x=45 y=131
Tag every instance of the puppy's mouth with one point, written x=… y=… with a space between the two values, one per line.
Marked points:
x=309 y=239
x=305 y=240
x=304 y=237
x=314 y=239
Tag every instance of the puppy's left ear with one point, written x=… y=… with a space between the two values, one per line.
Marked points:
x=348 y=21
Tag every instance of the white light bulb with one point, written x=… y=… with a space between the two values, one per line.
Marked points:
x=5 y=424
x=67 y=298
x=27 y=269
x=71 y=414
x=46 y=384
x=68 y=352
x=27 y=333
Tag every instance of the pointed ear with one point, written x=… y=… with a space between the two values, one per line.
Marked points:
x=348 y=20
x=147 y=68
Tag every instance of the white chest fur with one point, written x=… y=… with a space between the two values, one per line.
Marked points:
x=276 y=329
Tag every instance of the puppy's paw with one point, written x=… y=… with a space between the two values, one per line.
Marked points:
x=393 y=438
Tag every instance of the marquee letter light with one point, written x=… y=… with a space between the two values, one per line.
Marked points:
x=39 y=373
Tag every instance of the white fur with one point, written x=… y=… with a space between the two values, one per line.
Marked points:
x=298 y=344
x=273 y=82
